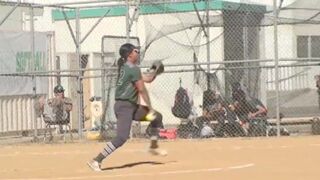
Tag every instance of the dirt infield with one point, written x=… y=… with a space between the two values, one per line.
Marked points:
x=287 y=158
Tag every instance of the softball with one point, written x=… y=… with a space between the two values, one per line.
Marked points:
x=150 y=116
x=94 y=135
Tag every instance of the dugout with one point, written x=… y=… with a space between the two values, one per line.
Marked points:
x=241 y=42
x=165 y=30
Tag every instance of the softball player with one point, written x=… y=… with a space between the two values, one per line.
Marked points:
x=130 y=85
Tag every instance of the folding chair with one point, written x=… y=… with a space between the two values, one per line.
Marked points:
x=53 y=118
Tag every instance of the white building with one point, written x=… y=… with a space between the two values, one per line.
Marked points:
x=148 y=26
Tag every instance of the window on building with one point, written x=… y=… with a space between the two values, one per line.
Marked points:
x=315 y=46
x=308 y=46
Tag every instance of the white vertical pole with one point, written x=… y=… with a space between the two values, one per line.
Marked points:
x=208 y=42
x=127 y=22
x=78 y=54
x=33 y=68
x=276 y=59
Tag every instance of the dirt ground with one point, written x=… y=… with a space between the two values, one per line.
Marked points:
x=285 y=158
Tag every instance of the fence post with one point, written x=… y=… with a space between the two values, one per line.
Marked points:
x=80 y=91
x=33 y=68
x=208 y=42
x=276 y=59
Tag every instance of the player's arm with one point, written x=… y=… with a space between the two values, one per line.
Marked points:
x=138 y=81
x=143 y=92
x=68 y=104
x=148 y=77
x=205 y=112
x=69 y=107
x=233 y=106
x=261 y=110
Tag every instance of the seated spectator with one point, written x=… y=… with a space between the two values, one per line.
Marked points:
x=244 y=108
x=56 y=109
x=213 y=110
x=248 y=109
x=237 y=93
x=209 y=100
x=249 y=112
x=61 y=105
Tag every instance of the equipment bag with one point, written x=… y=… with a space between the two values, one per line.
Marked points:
x=182 y=106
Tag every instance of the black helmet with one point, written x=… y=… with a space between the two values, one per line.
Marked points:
x=58 y=89
x=126 y=49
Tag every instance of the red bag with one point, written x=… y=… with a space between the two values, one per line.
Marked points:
x=168 y=133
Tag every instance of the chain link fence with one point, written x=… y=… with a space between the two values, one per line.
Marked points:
x=226 y=75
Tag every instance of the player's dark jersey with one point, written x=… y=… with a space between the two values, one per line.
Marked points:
x=125 y=89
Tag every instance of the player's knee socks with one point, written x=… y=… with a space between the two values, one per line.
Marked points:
x=154 y=142
x=158 y=120
x=156 y=125
x=105 y=152
x=154 y=131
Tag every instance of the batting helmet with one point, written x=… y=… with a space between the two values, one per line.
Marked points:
x=58 y=89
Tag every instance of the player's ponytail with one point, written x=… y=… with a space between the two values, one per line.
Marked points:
x=120 y=63
x=124 y=52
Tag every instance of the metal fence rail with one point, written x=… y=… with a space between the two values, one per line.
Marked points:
x=268 y=51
